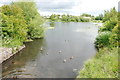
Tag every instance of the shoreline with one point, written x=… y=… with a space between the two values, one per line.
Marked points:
x=6 y=53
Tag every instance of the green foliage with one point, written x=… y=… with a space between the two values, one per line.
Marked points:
x=65 y=18
x=103 y=39
x=54 y=17
x=118 y=16
x=12 y=43
x=29 y=9
x=52 y=24
x=111 y=24
x=114 y=38
x=36 y=29
x=109 y=14
x=20 y=21
x=103 y=65
x=110 y=20
x=100 y=17
x=33 y=19
x=108 y=25
x=70 y=18
x=86 y=15
x=13 y=24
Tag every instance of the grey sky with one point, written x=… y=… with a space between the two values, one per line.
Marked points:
x=52 y=5
x=74 y=7
x=119 y=6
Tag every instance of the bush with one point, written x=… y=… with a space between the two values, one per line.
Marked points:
x=36 y=29
x=13 y=24
x=103 y=39
x=114 y=38
x=102 y=29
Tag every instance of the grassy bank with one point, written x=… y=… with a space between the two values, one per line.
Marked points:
x=103 y=65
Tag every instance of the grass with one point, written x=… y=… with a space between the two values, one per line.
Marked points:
x=103 y=65
x=15 y=44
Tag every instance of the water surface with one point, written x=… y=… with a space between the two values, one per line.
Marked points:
x=71 y=39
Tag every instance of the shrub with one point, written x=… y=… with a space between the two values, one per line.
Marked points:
x=36 y=29
x=102 y=29
x=13 y=24
x=114 y=38
x=103 y=39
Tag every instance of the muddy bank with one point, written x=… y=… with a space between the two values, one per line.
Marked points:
x=6 y=53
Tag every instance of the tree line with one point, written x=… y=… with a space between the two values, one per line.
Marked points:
x=70 y=18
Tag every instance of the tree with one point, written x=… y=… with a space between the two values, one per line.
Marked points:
x=86 y=15
x=33 y=19
x=13 y=23
x=54 y=17
x=110 y=19
x=109 y=14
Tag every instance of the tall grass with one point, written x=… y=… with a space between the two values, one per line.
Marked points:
x=103 y=65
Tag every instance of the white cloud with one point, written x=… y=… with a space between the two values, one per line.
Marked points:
x=94 y=7
x=75 y=7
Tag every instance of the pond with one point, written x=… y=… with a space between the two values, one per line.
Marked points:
x=61 y=54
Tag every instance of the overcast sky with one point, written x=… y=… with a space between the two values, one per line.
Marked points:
x=74 y=7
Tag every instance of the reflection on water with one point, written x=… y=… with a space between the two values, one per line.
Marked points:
x=52 y=24
x=64 y=50
x=19 y=60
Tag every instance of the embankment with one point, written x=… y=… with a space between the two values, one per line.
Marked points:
x=6 y=53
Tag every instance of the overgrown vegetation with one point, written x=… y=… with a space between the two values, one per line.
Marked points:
x=105 y=63
x=20 y=21
x=108 y=34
